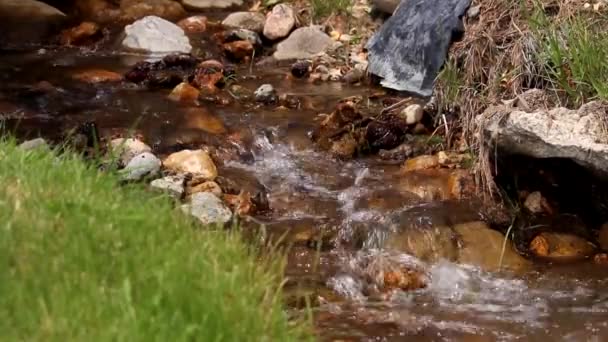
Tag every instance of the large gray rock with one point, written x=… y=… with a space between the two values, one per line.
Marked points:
x=410 y=48
x=252 y=21
x=156 y=36
x=208 y=208
x=205 y=4
x=142 y=165
x=580 y=135
x=279 y=22
x=304 y=43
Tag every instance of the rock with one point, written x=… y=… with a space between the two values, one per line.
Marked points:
x=127 y=149
x=156 y=36
x=200 y=119
x=537 y=204
x=408 y=51
x=354 y=76
x=196 y=162
x=335 y=75
x=241 y=203
x=345 y=147
x=184 y=92
x=300 y=69
x=473 y=12
x=238 y=50
x=557 y=133
x=194 y=24
x=207 y=74
x=208 y=209
x=97 y=76
x=412 y=114
x=173 y=185
x=34 y=144
x=208 y=186
x=266 y=94
x=421 y=163
x=142 y=165
x=206 y=4
x=252 y=21
x=482 y=247
x=552 y=245
x=81 y=34
x=279 y=22
x=303 y=43
x=243 y=34
x=399 y=153
x=386 y=6
x=601 y=259
x=602 y=237
x=137 y=9
x=437 y=184
x=28 y=21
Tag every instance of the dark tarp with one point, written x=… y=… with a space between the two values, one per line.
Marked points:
x=410 y=48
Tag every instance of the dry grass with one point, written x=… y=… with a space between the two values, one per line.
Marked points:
x=513 y=46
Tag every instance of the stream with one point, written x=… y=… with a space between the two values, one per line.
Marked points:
x=311 y=192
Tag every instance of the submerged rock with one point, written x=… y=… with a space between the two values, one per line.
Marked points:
x=195 y=24
x=141 y=166
x=156 y=36
x=437 y=184
x=279 y=22
x=97 y=76
x=252 y=21
x=303 y=43
x=266 y=94
x=184 y=92
x=208 y=209
x=410 y=48
x=580 y=135
x=81 y=34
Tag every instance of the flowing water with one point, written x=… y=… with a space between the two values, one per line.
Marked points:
x=311 y=192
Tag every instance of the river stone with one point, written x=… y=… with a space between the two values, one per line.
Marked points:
x=252 y=21
x=386 y=6
x=408 y=51
x=28 y=21
x=34 y=144
x=195 y=162
x=552 y=245
x=142 y=165
x=126 y=149
x=579 y=135
x=265 y=94
x=412 y=114
x=304 y=43
x=205 y=4
x=156 y=36
x=279 y=22
x=481 y=246
x=173 y=185
x=208 y=209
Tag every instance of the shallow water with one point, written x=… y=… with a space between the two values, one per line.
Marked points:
x=310 y=190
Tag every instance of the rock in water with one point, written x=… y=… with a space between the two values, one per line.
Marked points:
x=157 y=36
x=410 y=48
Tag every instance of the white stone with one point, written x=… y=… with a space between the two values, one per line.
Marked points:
x=304 y=43
x=173 y=185
x=142 y=165
x=126 y=149
x=412 y=114
x=207 y=208
x=279 y=22
x=156 y=36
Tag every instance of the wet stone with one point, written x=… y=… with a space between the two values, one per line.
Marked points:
x=156 y=36
x=82 y=34
x=195 y=162
x=412 y=114
x=126 y=149
x=252 y=21
x=97 y=76
x=141 y=166
x=184 y=92
x=208 y=209
x=266 y=94
x=556 y=246
x=173 y=185
x=194 y=24
x=301 y=69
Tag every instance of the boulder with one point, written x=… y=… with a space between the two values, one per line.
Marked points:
x=279 y=22
x=196 y=162
x=252 y=21
x=408 y=51
x=208 y=209
x=304 y=43
x=156 y=36
x=28 y=21
x=206 y=4
x=579 y=135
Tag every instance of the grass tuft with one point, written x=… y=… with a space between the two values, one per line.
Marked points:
x=84 y=259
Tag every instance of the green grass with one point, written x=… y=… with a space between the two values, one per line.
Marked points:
x=82 y=259
x=574 y=52
x=325 y=8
